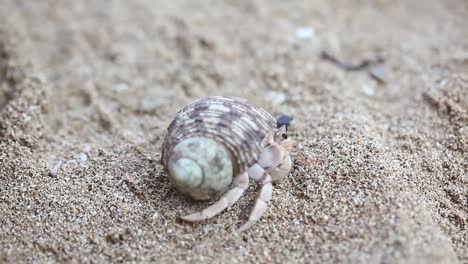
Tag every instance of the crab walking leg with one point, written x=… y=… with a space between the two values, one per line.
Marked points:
x=282 y=170
x=259 y=175
x=241 y=183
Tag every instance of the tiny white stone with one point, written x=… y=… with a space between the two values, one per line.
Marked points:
x=305 y=32
x=275 y=97
x=368 y=90
x=83 y=157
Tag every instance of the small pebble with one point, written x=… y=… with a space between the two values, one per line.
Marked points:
x=367 y=90
x=305 y=32
x=83 y=157
x=276 y=98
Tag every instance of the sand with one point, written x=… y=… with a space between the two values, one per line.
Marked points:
x=87 y=90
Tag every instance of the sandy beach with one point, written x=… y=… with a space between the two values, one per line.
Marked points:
x=88 y=88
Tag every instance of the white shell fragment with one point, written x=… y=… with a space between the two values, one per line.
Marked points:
x=305 y=32
x=275 y=97
x=83 y=157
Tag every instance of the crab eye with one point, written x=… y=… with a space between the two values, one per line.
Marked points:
x=284 y=135
x=283 y=120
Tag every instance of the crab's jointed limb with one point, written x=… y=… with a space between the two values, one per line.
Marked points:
x=259 y=175
x=274 y=165
x=241 y=183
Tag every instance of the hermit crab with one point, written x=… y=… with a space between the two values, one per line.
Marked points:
x=217 y=142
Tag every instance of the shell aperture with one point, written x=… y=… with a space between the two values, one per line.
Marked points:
x=200 y=168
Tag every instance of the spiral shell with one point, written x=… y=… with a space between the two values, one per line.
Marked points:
x=234 y=124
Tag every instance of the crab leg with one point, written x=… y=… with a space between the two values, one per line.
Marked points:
x=259 y=175
x=241 y=183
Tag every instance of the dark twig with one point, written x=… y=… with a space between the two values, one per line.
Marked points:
x=372 y=66
x=349 y=66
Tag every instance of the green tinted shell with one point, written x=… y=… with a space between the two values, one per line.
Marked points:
x=211 y=140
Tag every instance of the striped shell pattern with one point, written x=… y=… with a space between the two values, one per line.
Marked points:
x=232 y=122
